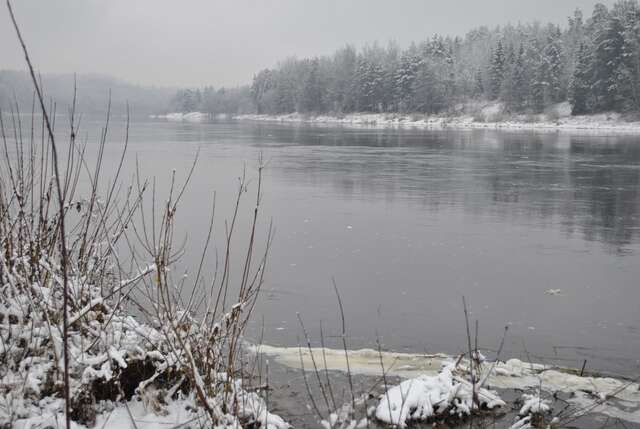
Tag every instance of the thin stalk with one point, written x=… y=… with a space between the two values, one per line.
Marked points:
x=63 y=247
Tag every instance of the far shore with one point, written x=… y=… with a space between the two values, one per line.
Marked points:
x=487 y=117
x=590 y=123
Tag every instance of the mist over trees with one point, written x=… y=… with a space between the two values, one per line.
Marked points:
x=593 y=62
x=93 y=93
x=210 y=100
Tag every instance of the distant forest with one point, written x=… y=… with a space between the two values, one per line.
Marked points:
x=594 y=63
x=93 y=94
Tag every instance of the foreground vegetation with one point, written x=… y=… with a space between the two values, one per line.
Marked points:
x=79 y=256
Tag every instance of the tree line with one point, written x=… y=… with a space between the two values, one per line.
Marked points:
x=593 y=62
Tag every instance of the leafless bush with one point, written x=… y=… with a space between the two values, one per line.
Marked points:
x=76 y=249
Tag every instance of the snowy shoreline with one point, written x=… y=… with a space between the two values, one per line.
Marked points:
x=591 y=123
x=467 y=116
x=612 y=397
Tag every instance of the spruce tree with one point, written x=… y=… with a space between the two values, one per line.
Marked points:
x=520 y=83
x=508 y=83
x=581 y=83
x=607 y=57
x=478 y=85
x=629 y=71
x=496 y=71
x=551 y=70
x=404 y=79
x=536 y=79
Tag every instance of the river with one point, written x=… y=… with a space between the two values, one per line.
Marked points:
x=539 y=232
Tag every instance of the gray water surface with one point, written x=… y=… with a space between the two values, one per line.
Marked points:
x=410 y=221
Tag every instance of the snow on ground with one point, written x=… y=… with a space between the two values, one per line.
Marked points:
x=111 y=353
x=135 y=412
x=485 y=116
x=183 y=412
x=612 y=397
x=183 y=117
x=472 y=115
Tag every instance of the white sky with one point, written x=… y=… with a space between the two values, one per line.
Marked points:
x=198 y=42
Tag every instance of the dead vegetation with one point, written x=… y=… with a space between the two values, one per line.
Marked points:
x=79 y=252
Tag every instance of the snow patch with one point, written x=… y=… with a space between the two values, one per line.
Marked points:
x=426 y=397
x=195 y=117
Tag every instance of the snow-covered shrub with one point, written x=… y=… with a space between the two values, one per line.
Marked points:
x=171 y=352
x=430 y=398
x=533 y=413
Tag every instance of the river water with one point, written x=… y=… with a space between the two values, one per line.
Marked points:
x=538 y=231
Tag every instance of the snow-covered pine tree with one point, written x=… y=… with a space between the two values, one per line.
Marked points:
x=606 y=32
x=533 y=60
x=629 y=71
x=404 y=79
x=514 y=87
x=496 y=70
x=262 y=83
x=369 y=80
x=478 y=84
x=311 y=100
x=550 y=71
x=508 y=83
x=579 y=91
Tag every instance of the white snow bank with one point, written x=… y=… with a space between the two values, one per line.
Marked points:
x=141 y=415
x=183 y=117
x=488 y=116
x=177 y=412
x=425 y=397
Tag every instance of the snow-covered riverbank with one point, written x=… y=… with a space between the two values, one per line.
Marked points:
x=183 y=117
x=612 y=122
x=194 y=117
x=487 y=115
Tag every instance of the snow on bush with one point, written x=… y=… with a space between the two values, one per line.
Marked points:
x=532 y=413
x=534 y=404
x=116 y=361
x=115 y=358
x=427 y=398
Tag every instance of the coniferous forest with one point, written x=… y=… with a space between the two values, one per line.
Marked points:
x=592 y=61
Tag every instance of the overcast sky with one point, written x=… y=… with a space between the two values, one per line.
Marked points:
x=198 y=42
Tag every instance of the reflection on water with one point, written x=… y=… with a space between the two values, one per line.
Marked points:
x=587 y=184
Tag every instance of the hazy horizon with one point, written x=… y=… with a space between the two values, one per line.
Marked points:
x=198 y=42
